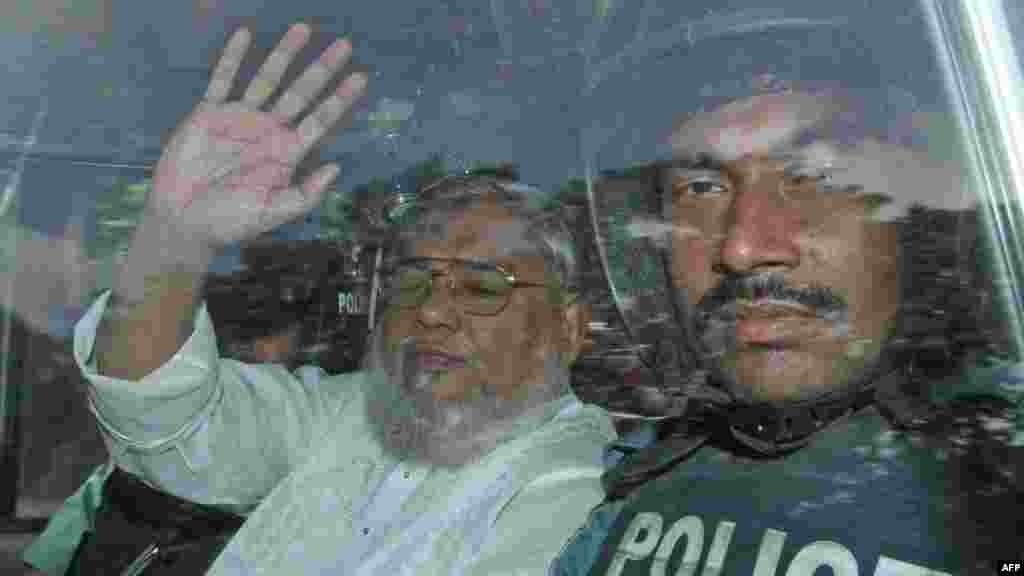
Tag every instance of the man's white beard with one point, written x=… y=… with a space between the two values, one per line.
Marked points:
x=411 y=424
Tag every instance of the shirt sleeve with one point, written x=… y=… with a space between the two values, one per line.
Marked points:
x=207 y=429
x=536 y=524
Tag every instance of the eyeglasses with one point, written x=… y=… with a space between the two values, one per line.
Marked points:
x=480 y=289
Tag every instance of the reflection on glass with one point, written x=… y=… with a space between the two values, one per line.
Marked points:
x=777 y=206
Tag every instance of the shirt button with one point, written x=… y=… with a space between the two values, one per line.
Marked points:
x=406 y=474
x=366 y=531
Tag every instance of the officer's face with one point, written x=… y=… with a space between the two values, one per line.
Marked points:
x=794 y=275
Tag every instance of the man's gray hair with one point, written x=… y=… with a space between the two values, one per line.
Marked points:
x=544 y=219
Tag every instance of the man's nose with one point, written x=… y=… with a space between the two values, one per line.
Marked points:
x=439 y=309
x=760 y=234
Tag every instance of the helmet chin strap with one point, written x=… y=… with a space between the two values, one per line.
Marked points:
x=774 y=429
x=781 y=427
x=765 y=428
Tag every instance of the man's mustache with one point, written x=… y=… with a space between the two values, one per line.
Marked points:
x=720 y=302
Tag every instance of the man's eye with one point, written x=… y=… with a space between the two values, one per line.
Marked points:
x=486 y=284
x=702 y=186
x=807 y=176
x=409 y=280
x=483 y=290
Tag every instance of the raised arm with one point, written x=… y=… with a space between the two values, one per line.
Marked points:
x=224 y=176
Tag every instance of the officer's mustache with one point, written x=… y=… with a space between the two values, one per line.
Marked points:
x=718 y=305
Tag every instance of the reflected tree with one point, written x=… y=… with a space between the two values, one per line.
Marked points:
x=118 y=208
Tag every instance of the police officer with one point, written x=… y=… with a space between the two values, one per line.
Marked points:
x=796 y=247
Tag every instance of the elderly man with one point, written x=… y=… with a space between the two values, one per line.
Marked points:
x=801 y=284
x=446 y=455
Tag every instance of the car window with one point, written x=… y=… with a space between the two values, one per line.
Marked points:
x=624 y=105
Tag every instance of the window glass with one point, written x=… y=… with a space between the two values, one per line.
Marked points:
x=54 y=247
x=890 y=156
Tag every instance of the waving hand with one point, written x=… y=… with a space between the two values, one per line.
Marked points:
x=226 y=173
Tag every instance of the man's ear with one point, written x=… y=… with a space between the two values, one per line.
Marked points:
x=576 y=316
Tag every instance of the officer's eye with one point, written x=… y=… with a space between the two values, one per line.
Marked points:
x=698 y=185
x=805 y=179
x=801 y=175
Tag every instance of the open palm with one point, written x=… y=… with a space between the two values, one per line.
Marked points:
x=226 y=173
